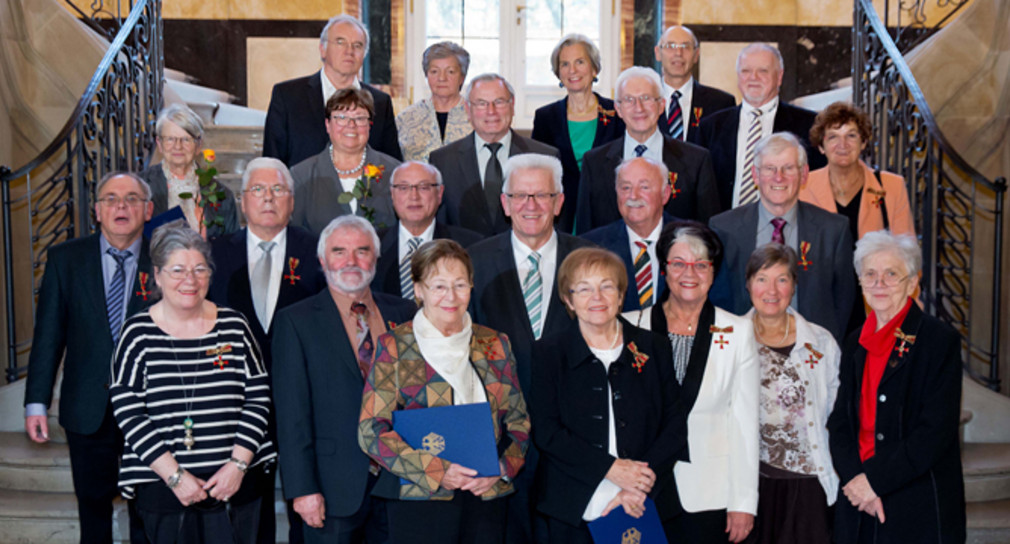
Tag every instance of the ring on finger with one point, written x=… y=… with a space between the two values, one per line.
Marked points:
x=224 y=499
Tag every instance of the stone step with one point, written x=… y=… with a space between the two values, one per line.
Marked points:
x=989 y=522
x=27 y=466
x=234 y=138
x=986 y=471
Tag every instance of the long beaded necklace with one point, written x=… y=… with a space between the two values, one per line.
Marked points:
x=189 y=394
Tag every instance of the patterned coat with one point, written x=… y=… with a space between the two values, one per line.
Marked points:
x=400 y=379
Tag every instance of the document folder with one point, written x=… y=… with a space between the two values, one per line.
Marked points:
x=618 y=527
x=462 y=434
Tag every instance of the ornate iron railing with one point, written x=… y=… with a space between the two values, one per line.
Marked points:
x=958 y=213
x=48 y=200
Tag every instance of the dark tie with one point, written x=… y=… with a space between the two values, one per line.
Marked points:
x=778 y=236
x=364 y=338
x=640 y=150
x=493 y=181
x=675 y=118
x=116 y=294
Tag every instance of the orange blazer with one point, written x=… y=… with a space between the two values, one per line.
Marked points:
x=817 y=191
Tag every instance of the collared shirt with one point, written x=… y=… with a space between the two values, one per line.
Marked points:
x=790 y=233
x=405 y=236
x=654 y=146
x=253 y=255
x=376 y=324
x=651 y=248
x=483 y=153
x=548 y=264
x=686 y=96
x=329 y=88
x=746 y=117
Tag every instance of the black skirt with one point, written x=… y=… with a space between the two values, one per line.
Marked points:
x=792 y=509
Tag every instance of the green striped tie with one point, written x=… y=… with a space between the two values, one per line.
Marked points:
x=533 y=294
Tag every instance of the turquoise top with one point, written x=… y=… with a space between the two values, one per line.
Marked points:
x=582 y=134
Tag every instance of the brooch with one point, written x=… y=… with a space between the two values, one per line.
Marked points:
x=292 y=265
x=815 y=356
x=697 y=117
x=220 y=362
x=640 y=358
x=804 y=249
x=722 y=342
x=143 y=285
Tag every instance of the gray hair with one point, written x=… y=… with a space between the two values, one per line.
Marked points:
x=324 y=38
x=181 y=115
x=489 y=76
x=268 y=163
x=758 y=46
x=445 y=50
x=346 y=221
x=576 y=39
x=664 y=172
x=174 y=236
x=776 y=143
x=639 y=71
x=534 y=161
x=427 y=167
x=685 y=29
x=903 y=246
x=144 y=187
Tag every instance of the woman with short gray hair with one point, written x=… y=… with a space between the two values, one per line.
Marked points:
x=433 y=122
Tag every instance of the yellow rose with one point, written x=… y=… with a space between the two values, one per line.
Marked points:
x=372 y=171
x=208 y=155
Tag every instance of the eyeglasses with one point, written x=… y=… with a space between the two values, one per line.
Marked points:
x=787 y=170
x=406 y=188
x=521 y=198
x=199 y=272
x=114 y=201
x=442 y=289
x=343 y=121
x=685 y=47
x=889 y=278
x=585 y=290
x=170 y=141
x=357 y=47
x=679 y=266
x=260 y=191
x=484 y=104
x=630 y=101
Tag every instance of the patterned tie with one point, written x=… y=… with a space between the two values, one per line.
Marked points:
x=643 y=274
x=778 y=236
x=675 y=118
x=363 y=336
x=640 y=150
x=116 y=293
x=493 y=181
x=261 y=283
x=748 y=189
x=407 y=284
x=533 y=294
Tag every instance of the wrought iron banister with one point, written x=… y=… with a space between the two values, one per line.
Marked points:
x=957 y=210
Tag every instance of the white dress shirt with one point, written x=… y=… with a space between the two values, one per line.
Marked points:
x=686 y=96
x=405 y=236
x=347 y=186
x=746 y=116
x=329 y=88
x=483 y=153
x=651 y=248
x=653 y=146
x=277 y=264
x=548 y=265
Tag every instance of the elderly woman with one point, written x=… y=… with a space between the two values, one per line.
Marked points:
x=715 y=361
x=442 y=358
x=578 y=122
x=799 y=381
x=191 y=395
x=349 y=177
x=894 y=427
x=433 y=122
x=605 y=406
x=174 y=182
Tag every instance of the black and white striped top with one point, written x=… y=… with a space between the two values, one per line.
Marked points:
x=218 y=380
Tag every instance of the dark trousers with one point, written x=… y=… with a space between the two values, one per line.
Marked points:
x=525 y=525
x=466 y=519
x=559 y=531
x=708 y=527
x=370 y=524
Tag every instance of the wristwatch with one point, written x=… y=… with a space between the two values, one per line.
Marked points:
x=242 y=465
x=173 y=481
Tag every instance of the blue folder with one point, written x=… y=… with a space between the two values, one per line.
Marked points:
x=462 y=434
x=617 y=527
x=161 y=219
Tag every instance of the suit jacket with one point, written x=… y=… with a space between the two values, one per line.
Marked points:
x=387 y=268
x=463 y=202
x=317 y=188
x=615 y=238
x=705 y=101
x=230 y=286
x=317 y=396
x=826 y=285
x=718 y=134
x=497 y=299
x=71 y=327
x=916 y=466
x=228 y=212
x=550 y=126
x=694 y=190
x=818 y=192
x=295 y=128
x=570 y=403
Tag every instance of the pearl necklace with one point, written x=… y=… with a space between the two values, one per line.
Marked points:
x=346 y=172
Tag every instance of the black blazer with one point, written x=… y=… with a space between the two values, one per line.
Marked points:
x=615 y=238
x=826 y=287
x=230 y=286
x=294 y=128
x=387 y=268
x=228 y=212
x=550 y=126
x=463 y=202
x=71 y=327
x=569 y=407
x=695 y=195
x=916 y=466
x=317 y=390
x=718 y=134
x=705 y=101
x=497 y=300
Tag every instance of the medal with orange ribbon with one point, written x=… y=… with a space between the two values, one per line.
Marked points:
x=143 y=285
x=292 y=265
x=674 y=191
x=815 y=356
x=804 y=249
x=908 y=339
x=721 y=342
x=640 y=358
x=697 y=117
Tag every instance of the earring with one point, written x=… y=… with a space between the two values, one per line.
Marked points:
x=560 y=84
x=596 y=79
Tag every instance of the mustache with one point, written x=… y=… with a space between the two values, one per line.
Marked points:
x=635 y=203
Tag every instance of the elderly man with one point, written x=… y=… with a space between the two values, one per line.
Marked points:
x=639 y=103
x=641 y=195
x=678 y=51
x=294 y=128
x=110 y=270
x=514 y=290
x=472 y=166
x=826 y=284
x=417 y=192
x=730 y=135
x=322 y=350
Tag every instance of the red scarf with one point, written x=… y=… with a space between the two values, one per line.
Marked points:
x=879 y=345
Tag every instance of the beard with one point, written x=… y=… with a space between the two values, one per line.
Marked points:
x=343 y=280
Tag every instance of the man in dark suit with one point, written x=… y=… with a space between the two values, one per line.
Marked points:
x=294 y=128
x=639 y=103
x=472 y=166
x=826 y=284
x=109 y=270
x=688 y=101
x=417 y=191
x=641 y=195
x=321 y=348
x=514 y=289
x=730 y=135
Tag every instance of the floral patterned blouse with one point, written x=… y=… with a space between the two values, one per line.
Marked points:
x=784 y=441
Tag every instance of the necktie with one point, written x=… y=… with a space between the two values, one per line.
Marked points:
x=363 y=337
x=493 y=181
x=533 y=294
x=675 y=118
x=116 y=294
x=778 y=236
x=261 y=283
x=407 y=284
x=640 y=150
x=748 y=188
x=643 y=274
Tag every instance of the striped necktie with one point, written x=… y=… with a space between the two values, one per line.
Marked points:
x=640 y=150
x=643 y=274
x=533 y=294
x=748 y=187
x=675 y=118
x=406 y=283
x=116 y=294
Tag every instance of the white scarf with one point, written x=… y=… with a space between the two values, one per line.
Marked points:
x=176 y=186
x=450 y=357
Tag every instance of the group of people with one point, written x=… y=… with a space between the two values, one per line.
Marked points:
x=645 y=317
